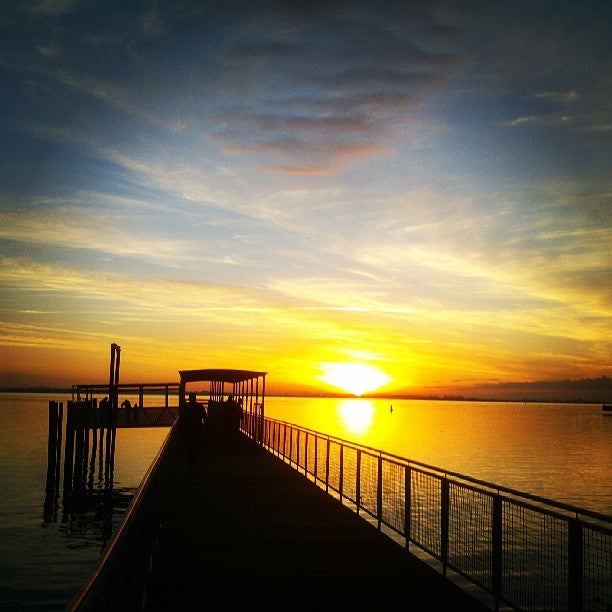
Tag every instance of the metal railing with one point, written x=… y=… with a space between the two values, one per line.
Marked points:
x=527 y=552
x=119 y=582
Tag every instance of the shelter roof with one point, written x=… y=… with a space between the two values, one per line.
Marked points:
x=219 y=375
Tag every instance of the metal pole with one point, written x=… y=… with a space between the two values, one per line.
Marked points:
x=379 y=492
x=118 y=352
x=496 y=549
x=111 y=375
x=358 y=481
x=575 y=565
x=327 y=466
x=444 y=516
x=407 y=504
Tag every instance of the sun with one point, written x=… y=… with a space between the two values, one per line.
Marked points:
x=356 y=378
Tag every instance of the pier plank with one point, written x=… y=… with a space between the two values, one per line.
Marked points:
x=242 y=527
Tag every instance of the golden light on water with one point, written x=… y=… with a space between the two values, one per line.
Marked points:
x=356 y=378
x=356 y=415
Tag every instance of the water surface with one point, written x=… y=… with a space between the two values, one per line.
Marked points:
x=558 y=451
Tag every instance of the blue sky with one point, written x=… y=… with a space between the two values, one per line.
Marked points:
x=420 y=187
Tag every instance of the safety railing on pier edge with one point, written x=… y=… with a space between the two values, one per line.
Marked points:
x=526 y=552
x=119 y=581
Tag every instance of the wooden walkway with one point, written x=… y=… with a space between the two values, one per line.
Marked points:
x=242 y=527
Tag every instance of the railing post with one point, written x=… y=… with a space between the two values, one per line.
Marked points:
x=379 y=491
x=575 y=566
x=277 y=438
x=290 y=445
x=341 y=475
x=444 y=515
x=358 y=481
x=496 y=549
x=272 y=447
x=327 y=466
x=407 y=504
x=306 y=454
x=316 y=457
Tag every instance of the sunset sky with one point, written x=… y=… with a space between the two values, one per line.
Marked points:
x=416 y=188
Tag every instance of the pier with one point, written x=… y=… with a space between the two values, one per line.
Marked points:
x=280 y=515
x=243 y=528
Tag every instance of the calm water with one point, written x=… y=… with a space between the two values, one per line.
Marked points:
x=557 y=451
x=45 y=559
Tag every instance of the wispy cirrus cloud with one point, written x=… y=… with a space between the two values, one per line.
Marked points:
x=77 y=228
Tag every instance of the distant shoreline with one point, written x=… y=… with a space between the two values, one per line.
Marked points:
x=435 y=398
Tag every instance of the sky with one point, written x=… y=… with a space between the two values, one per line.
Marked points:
x=321 y=191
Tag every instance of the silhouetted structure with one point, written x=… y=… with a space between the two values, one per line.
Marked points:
x=51 y=505
x=88 y=468
x=247 y=391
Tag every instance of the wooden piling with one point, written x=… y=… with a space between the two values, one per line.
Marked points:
x=54 y=449
x=69 y=451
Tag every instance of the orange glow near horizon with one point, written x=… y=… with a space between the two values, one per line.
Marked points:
x=356 y=378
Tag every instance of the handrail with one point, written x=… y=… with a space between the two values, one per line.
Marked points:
x=495 y=487
x=130 y=548
x=524 y=550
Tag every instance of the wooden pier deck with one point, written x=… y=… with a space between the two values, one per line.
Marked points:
x=242 y=527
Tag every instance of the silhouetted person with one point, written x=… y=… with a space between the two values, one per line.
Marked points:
x=128 y=409
x=239 y=413
x=193 y=418
x=104 y=408
x=236 y=417
x=232 y=414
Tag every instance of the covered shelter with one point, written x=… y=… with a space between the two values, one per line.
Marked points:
x=247 y=386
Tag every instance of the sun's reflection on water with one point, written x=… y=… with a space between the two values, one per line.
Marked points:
x=356 y=415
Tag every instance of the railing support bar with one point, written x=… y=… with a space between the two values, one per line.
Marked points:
x=379 y=492
x=444 y=516
x=575 y=565
x=496 y=549
x=358 y=482
x=316 y=457
x=407 y=504
x=341 y=475
x=327 y=466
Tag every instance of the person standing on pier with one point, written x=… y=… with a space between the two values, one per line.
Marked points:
x=193 y=418
x=232 y=415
